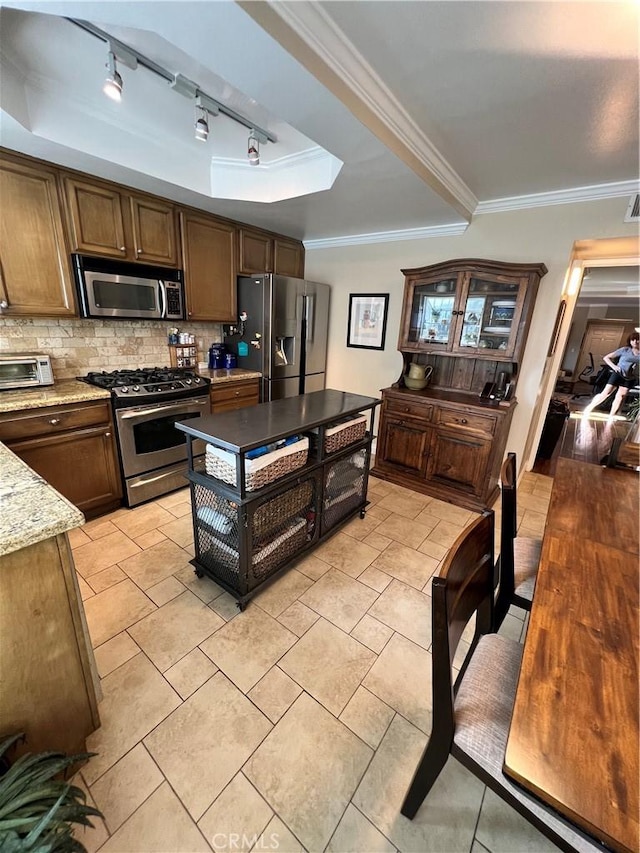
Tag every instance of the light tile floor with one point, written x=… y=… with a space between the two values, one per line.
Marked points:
x=297 y=724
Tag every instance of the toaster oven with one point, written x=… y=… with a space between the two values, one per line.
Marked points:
x=24 y=370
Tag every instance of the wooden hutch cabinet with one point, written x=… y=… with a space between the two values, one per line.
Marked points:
x=468 y=320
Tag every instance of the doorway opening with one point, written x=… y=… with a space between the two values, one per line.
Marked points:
x=602 y=283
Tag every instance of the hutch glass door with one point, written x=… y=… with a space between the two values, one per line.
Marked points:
x=490 y=317
x=432 y=318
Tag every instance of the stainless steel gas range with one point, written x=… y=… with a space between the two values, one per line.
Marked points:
x=147 y=403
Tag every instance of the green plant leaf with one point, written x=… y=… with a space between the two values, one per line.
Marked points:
x=40 y=827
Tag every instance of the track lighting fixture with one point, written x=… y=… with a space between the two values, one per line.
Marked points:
x=113 y=84
x=207 y=105
x=253 y=149
x=202 y=125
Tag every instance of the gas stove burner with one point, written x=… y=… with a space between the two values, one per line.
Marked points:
x=148 y=384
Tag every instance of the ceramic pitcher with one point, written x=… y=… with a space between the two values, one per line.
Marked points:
x=419 y=371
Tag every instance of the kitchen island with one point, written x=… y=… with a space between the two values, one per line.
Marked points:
x=279 y=478
x=48 y=680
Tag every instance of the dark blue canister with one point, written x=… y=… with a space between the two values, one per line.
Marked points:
x=231 y=360
x=217 y=354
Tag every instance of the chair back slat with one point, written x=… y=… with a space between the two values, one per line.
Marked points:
x=509 y=506
x=508 y=530
x=465 y=583
x=463 y=587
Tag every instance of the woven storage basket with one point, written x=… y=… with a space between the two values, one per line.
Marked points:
x=339 y=436
x=274 y=512
x=266 y=560
x=258 y=472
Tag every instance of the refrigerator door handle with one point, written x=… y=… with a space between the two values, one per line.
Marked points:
x=309 y=307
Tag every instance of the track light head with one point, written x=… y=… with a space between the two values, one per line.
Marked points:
x=253 y=150
x=202 y=124
x=202 y=130
x=113 y=84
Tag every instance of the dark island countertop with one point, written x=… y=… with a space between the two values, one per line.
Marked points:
x=244 y=429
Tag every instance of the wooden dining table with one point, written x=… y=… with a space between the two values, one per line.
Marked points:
x=573 y=740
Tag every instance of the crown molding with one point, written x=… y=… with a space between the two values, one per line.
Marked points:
x=454 y=230
x=592 y=193
x=306 y=31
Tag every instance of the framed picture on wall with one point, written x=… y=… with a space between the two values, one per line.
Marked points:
x=367 y=325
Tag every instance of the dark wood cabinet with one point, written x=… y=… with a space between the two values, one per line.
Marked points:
x=468 y=320
x=35 y=278
x=73 y=448
x=228 y=396
x=208 y=246
x=458 y=460
x=255 y=251
x=48 y=212
x=261 y=252
x=104 y=220
x=448 y=445
x=288 y=257
x=477 y=309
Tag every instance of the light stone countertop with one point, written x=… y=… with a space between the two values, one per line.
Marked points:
x=30 y=509
x=223 y=375
x=74 y=391
x=64 y=391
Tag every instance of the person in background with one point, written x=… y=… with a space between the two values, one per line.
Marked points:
x=622 y=375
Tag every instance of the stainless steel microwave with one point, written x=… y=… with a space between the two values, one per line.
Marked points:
x=118 y=289
x=24 y=370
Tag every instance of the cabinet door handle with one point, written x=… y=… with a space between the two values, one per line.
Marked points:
x=461 y=420
x=3 y=304
x=138 y=251
x=123 y=248
x=407 y=409
x=107 y=435
x=54 y=421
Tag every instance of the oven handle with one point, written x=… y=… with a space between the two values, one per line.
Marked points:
x=142 y=413
x=163 y=297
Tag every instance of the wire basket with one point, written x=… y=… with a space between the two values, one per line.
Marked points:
x=344 y=489
x=261 y=471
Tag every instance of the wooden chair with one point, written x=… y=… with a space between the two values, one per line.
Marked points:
x=471 y=717
x=517 y=565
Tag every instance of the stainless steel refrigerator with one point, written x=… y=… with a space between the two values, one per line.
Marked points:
x=282 y=332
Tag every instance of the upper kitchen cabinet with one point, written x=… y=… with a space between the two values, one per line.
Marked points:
x=479 y=309
x=209 y=255
x=288 y=257
x=104 y=220
x=261 y=252
x=35 y=277
x=255 y=251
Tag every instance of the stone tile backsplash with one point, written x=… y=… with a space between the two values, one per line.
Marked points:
x=77 y=346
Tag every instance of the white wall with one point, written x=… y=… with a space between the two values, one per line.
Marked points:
x=542 y=234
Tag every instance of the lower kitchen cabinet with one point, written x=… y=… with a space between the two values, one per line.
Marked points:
x=449 y=445
x=73 y=448
x=47 y=668
x=405 y=444
x=227 y=396
x=458 y=460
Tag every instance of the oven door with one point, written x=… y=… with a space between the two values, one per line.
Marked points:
x=147 y=436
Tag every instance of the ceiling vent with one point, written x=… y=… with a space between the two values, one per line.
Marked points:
x=633 y=211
